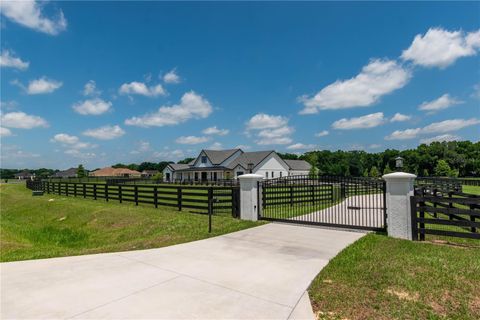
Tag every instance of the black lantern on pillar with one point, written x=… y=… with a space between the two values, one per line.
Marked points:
x=399 y=162
x=250 y=167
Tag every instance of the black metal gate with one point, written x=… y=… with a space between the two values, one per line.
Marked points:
x=348 y=202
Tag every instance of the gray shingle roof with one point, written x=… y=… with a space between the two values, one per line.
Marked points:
x=218 y=156
x=72 y=172
x=249 y=157
x=179 y=166
x=298 y=165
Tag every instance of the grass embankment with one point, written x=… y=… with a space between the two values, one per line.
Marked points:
x=383 y=278
x=38 y=227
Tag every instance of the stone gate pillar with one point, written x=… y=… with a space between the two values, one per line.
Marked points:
x=250 y=206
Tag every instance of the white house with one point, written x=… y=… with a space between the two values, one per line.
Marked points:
x=213 y=165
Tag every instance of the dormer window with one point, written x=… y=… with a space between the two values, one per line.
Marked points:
x=204 y=159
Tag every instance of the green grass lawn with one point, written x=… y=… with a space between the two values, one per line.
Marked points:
x=52 y=225
x=383 y=278
x=471 y=189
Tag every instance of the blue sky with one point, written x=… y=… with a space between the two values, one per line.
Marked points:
x=105 y=82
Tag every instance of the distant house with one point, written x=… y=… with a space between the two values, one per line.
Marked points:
x=115 y=172
x=25 y=174
x=69 y=173
x=149 y=173
x=213 y=165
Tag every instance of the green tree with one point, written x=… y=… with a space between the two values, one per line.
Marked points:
x=442 y=168
x=387 y=169
x=81 y=171
x=425 y=173
x=365 y=172
x=374 y=172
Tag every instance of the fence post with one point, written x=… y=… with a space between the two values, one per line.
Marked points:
x=95 y=191
x=119 y=193
x=106 y=192
x=291 y=196
x=413 y=211
x=84 y=190
x=135 y=188
x=210 y=208
x=250 y=196
x=472 y=218
x=155 y=196
x=398 y=193
x=75 y=190
x=179 y=198
x=66 y=188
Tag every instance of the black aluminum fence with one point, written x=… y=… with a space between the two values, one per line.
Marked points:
x=220 y=182
x=439 y=184
x=215 y=200
x=451 y=214
x=357 y=203
x=34 y=185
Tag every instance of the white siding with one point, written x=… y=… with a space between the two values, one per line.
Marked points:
x=231 y=158
x=170 y=173
x=198 y=163
x=299 y=172
x=274 y=164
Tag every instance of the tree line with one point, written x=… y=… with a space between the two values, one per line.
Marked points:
x=456 y=158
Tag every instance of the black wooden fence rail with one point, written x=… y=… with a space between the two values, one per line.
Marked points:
x=455 y=214
x=196 y=199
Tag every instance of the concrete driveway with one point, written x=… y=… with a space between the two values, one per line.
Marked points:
x=259 y=273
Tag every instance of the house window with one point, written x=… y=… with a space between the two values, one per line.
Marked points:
x=239 y=173
x=280 y=174
x=273 y=174
x=266 y=174
x=204 y=159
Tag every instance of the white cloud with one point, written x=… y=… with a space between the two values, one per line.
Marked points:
x=105 y=132
x=192 y=106
x=171 y=77
x=374 y=146
x=364 y=122
x=191 y=140
x=39 y=86
x=450 y=125
x=29 y=14
x=243 y=147
x=71 y=142
x=215 y=131
x=141 y=88
x=436 y=127
x=21 y=120
x=301 y=146
x=441 y=48
x=398 y=117
x=266 y=121
x=322 y=133
x=440 y=138
x=79 y=154
x=7 y=60
x=270 y=129
x=378 y=78
x=13 y=153
x=444 y=102
x=169 y=154
x=215 y=146
x=90 y=89
x=8 y=105
x=142 y=146
x=5 y=132
x=94 y=106
x=476 y=91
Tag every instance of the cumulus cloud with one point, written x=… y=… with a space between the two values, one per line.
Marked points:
x=266 y=121
x=105 y=132
x=270 y=129
x=440 y=138
x=215 y=131
x=191 y=140
x=80 y=154
x=39 y=86
x=90 y=89
x=378 y=78
x=5 y=132
x=398 y=117
x=301 y=146
x=171 y=77
x=8 y=60
x=71 y=142
x=322 y=133
x=29 y=13
x=94 y=106
x=441 y=48
x=215 y=146
x=436 y=127
x=444 y=102
x=142 y=89
x=364 y=122
x=169 y=154
x=21 y=120
x=191 y=106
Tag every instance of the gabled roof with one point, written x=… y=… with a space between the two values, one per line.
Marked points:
x=216 y=157
x=72 y=172
x=111 y=172
x=23 y=173
x=179 y=166
x=250 y=157
x=298 y=165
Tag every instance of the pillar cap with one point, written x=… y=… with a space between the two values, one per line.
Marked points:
x=250 y=176
x=398 y=175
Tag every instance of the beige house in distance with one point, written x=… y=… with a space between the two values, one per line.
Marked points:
x=115 y=172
